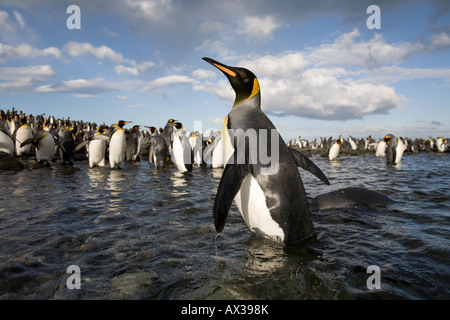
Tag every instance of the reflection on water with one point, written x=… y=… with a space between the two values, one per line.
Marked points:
x=141 y=233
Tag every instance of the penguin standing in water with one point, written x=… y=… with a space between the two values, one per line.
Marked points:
x=380 y=150
x=158 y=149
x=441 y=144
x=117 y=146
x=269 y=194
x=68 y=141
x=394 y=149
x=213 y=152
x=24 y=132
x=334 y=150
x=96 y=146
x=134 y=139
x=182 y=153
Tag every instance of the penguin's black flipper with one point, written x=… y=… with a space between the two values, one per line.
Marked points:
x=81 y=145
x=27 y=141
x=229 y=186
x=60 y=145
x=303 y=162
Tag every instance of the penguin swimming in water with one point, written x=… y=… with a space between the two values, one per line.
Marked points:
x=350 y=197
x=269 y=194
x=117 y=145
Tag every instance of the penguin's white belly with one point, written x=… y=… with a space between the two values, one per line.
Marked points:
x=251 y=202
x=217 y=155
x=22 y=134
x=381 y=149
x=6 y=143
x=399 y=152
x=334 y=152
x=178 y=153
x=97 y=153
x=117 y=149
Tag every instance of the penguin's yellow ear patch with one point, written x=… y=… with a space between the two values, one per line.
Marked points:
x=227 y=71
x=255 y=87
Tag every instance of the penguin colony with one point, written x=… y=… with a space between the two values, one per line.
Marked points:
x=72 y=140
x=274 y=205
x=390 y=147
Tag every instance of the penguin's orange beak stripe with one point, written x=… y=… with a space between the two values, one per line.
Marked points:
x=228 y=71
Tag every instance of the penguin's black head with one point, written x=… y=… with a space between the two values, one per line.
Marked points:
x=152 y=129
x=102 y=129
x=178 y=125
x=243 y=81
x=121 y=123
x=388 y=138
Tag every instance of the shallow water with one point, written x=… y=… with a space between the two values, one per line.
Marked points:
x=141 y=233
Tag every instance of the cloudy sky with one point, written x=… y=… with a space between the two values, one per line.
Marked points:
x=322 y=71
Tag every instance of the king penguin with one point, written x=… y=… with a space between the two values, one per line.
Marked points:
x=6 y=138
x=21 y=134
x=272 y=202
x=394 y=149
x=334 y=150
x=182 y=153
x=158 y=149
x=117 y=145
x=45 y=145
x=134 y=140
x=96 y=146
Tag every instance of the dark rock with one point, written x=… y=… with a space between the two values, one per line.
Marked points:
x=9 y=162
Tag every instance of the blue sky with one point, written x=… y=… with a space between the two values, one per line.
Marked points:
x=322 y=71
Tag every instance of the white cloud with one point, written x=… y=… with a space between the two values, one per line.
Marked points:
x=121 y=97
x=142 y=66
x=26 y=51
x=347 y=51
x=23 y=78
x=298 y=83
x=204 y=74
x=76 y=49
x=137 y=67
x=283 y=65
x=86 y=95
x=216 y=120
x=153 y=10
x=20 y=20
x=122 y=69
x=87 y=87
x=167 y=81
x=258 y=27
x=5 y=23
x=393 y=74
